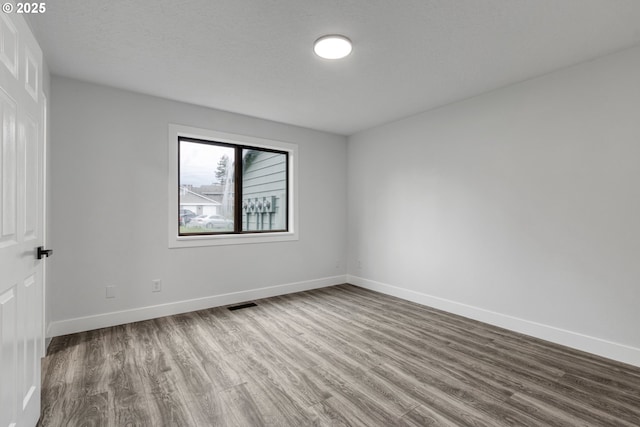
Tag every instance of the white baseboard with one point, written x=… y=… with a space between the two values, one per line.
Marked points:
x=80 y=324
x=598 y=346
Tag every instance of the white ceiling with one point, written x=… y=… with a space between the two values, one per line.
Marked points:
x=255 y=56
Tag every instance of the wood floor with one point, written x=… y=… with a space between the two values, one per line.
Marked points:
x=329 y=357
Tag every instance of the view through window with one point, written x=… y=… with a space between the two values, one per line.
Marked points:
x=229 y=188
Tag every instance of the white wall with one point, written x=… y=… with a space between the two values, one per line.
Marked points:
x=520 y=207
x=109 y=213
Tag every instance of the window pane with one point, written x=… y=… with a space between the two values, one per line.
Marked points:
x=264 y=190
x=206 y=188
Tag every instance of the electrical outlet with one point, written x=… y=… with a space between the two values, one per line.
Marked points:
x=156 y=285
x=111 y=291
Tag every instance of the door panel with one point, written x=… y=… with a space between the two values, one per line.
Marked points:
x=8 y=199
x=28 y=332
x=9 y=45
x=8 y=354
x=21 y=223
x=31 y=177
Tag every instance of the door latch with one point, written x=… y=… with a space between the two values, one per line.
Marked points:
x=42 y=252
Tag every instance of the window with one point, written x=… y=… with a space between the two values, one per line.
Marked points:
x=230 y=189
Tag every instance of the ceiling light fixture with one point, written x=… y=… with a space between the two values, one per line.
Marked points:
x=332 y=46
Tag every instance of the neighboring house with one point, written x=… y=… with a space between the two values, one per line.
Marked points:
x=212 y=191
x=197 y=203
x=264 y=189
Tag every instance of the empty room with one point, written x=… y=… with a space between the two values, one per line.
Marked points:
x=320 y=213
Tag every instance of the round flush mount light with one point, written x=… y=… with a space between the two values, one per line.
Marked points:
x=332 y=46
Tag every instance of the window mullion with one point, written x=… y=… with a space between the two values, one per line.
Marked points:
x=237 y=200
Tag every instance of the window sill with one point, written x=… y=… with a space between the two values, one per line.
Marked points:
x=230 y=239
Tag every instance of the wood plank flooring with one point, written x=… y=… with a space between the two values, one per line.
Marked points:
x=338 y=356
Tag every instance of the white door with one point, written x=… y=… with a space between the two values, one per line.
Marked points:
x=21 y=222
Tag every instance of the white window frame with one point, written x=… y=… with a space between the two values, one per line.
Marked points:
x=177 y=241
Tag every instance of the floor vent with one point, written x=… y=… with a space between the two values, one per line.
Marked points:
x=241 y=306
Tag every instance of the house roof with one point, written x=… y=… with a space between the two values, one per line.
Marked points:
x=188 y=197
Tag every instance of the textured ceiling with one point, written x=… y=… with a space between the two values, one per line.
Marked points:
x=255 y=56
